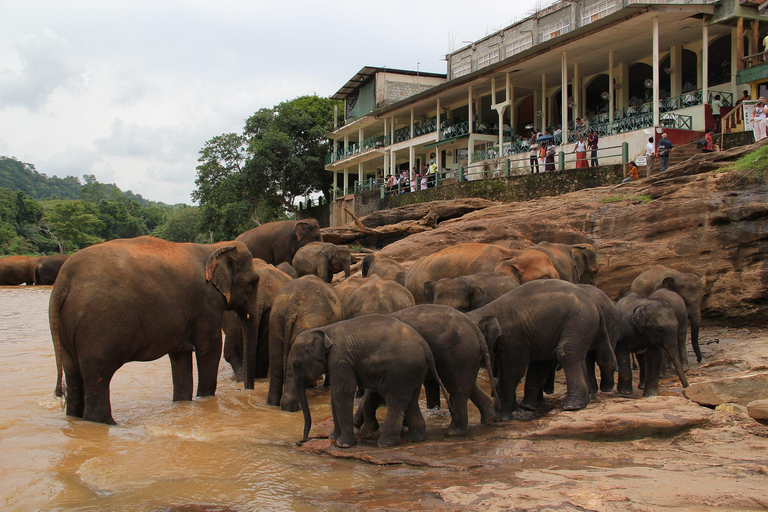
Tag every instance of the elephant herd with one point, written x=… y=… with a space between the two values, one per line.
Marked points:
x=29 y=270
x=516 y=313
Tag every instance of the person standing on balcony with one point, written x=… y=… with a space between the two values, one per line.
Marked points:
x=716 y=104
x=549 y=165
x=758 y=120
x=665 y=146
x=592 y=143
x=650 y=157
x=534 y=155
x=431 y=173
x=581 y=153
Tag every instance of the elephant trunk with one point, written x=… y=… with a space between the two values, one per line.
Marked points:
x=301 y=392
x=250 y=327
x=678 y=365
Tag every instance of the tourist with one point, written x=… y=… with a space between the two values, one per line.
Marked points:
x=744 y=97
x=534 y=155
x=431 y=174
x=758 y=120
x=662 y=150
x=550 y=157
x=709 y=145
x=592 y=143
x=424 y=182
x=415 y=180
x=581 y=153
x=634 y=175
x=716 y=105
x=650 y=156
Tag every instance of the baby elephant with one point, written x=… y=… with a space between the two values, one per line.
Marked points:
x=375 y=352
x=323 y=260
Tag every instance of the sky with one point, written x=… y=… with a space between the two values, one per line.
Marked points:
x=130 y=91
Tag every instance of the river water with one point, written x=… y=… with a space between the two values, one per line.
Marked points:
x=229 y=452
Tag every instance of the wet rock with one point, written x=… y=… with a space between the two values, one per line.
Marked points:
x=758 y=410
x=741 y=389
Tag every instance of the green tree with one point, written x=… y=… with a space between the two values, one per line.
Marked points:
x=181 y=225
x=72 y=224
x=18 y=213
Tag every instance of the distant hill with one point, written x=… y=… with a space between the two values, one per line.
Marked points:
x=21 y=176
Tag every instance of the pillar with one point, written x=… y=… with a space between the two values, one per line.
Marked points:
x=624 y=83
x=705 y=60
x=739 y=41
x=346 y=180
x=437 y=118
x=411 y=123
x=335 y=116
x=411 y=160
x=346 y=144
x=564 y=95
x=543 y=102
x=676 y=65
x=656 y=71
x=536 y=119
x=611 y=106
x=360 y=176
x=576 y=91
x=469 y=106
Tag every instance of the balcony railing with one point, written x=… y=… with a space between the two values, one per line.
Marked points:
x=454 y=130
x=377 y=141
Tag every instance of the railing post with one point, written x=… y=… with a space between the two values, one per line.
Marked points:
x=370 y=183
x=562 y=160
x=437 y=177
x=461 y=174
x=418 y=183
x=507 y=168
x=382 y=192
x=625 y=152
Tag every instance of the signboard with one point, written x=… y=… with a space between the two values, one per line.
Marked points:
x=749 y=108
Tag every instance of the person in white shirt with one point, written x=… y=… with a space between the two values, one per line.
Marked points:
x=650 y=157
x=716 y=104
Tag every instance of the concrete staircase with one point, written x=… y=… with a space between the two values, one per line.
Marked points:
x=680 y=153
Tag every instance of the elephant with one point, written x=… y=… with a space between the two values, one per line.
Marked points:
x=375 y=352
x=48 y=268
x=650 y=325
x=288 y=269
x=304 y=303
x=595 y=355
x=138 y=300
x=323 y=260
x=470 y=258
x=384 y=268
x=541 y=322
x=466 y=293
x=687 y=285
x=16 y=270
x=681 y=314
x=271 y=280
x=575 y=263
x=377 y=296
x=277 y=242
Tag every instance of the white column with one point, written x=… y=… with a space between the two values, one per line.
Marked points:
x=705 y=61
x=411 y=160
x=346 y=143
x=438 y=158
x=346 y=180
x=576 y=91
x=611 y=106
x=676 y=78
x=437 y=120
x=360 y=176
x=470 y=108
x=655 y=71
x=411 y=123
x=511 y=93
x=536 y=101
x=564 y=96
x=543 y=102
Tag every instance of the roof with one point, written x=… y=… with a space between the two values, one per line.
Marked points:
x=367 y=72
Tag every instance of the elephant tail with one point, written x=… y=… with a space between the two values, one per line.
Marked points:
x=607 y=340
x=433 y=369
x=489 y=368
x=58 y=296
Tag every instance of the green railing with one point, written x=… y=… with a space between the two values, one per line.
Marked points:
x=425 y=128
x=454 y=130
x=401 y=135
x=377 y=141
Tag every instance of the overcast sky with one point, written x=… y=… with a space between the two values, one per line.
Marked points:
x=131 y=90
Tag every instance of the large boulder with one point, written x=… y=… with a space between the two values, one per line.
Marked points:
x=740 y=389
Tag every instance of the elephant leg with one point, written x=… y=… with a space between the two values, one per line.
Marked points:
x=459 y=417
x=549 y=382
x=484 y=403
x=369 y=404
x=234 y=356
x=97 y=406
x=289 y=401
x=393 y=421
x=75 y=389
x=591 y=378
x=511 y=370
x=577 y=391
x=181 y=372
x=417 y=427
x=262 y=352
x=342 y=404
x=624 y=385
x=640 y=356
x=208 y=369
x=275 y=370
x=533 y=395
x=653 y=363
x=432 y=391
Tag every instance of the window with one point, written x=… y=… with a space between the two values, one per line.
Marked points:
x=597 y=11
x=489 y=58
x=556 y=29
x=461 y=69
x=519 y=45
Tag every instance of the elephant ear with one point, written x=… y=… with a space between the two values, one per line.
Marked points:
x=489 y=326
x=429 y=291
x=476 y=297
x=669 y=283
x=301 y=229
x=219 y=271
x=639 y=318
x=321 y=342
x=368 y=262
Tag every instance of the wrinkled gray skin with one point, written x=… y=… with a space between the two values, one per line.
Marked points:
x=304 y=303
x=47 y=269
x=681 y=314
x=375 y=352
x=322 y=260
x=650 y=325
x=377 y=296
x=277 y=242
x=689 y=286
x=138 y=300
x=595 y=353
x=459 y=350
x=576 y=263
x=271 y=280
x=384 y=268
x=467 y=293
x=288 y=270
x=541 y=323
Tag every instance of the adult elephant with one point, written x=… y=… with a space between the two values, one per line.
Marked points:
x=304 y=303
x=322 y=260
x=384 y=268
x=575 y=263
x=535 y=326
x=277 y=242
x=467 y=293
x=271 y=280
x=687 y=285
x=377 y=296
x=375 y=352
x=649 y=325
x=16 y=270
x=470 y=258
x=137 y=300
x=48 y=268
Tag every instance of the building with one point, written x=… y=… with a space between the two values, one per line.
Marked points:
x=629 y=68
